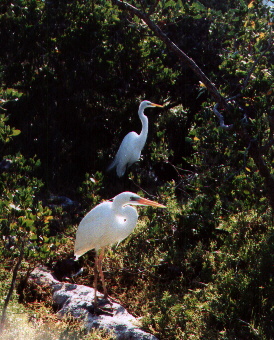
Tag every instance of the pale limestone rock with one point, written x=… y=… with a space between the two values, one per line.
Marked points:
x=77 y=301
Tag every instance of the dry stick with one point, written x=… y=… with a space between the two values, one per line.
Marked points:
x=247 y=78
x=11 y=289
x=182 y=56
x=221 y=119
x=254 y=150
x=245 y=83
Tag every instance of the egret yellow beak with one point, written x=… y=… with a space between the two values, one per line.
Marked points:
x=156 y=105
x=145 y=201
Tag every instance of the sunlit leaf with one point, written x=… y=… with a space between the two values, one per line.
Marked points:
x=16 y=132
x=251 y=4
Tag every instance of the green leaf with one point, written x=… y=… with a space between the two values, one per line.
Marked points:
x=198 y=6
x=16 y=132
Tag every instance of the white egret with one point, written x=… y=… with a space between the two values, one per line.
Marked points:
x=106 y=224
x=130 y=149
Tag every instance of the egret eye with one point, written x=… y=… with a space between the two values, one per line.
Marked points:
x=134 y=199
x=121 y=219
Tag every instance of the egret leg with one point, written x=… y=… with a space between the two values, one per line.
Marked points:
x=95 y=278
x=100 y=260
x=98 y=267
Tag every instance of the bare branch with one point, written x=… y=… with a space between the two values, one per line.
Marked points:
x=249 y=74
x=221 y=119
x=12 y=285
x=173 y=47
x=254 y=149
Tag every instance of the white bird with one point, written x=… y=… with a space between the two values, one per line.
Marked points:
x=106 y=224
x=130 y=149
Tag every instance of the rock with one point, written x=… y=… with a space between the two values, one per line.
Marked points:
x=63 y=201
x=77 y=301
x=5 y=165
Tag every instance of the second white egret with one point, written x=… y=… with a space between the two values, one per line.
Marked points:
x=130 y=149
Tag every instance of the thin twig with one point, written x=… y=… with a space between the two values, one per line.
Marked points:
x=140 y=188
x=247 y=78
x=221 y=119
x=11 y=289
x=174 y=48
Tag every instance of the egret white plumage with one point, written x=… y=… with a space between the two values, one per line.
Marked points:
x=130 y=149
x=106 y=224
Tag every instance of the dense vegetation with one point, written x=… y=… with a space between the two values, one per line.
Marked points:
x=72 y=76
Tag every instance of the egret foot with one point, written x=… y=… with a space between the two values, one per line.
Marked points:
x=102 y=307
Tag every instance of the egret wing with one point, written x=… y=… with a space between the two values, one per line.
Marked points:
x=127 y=154
x=92 y=228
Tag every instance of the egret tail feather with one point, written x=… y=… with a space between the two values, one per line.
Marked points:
x=112 y=165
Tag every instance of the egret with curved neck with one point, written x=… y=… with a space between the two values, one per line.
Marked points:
x=106 y=224
x=130 y=149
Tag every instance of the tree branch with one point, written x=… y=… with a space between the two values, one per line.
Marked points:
x=254 y=149
x=173 y=47
x=12 y=285
x=247 y=78
x=221 y=119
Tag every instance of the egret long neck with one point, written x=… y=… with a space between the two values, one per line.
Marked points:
x=126 y=219
x=144 y=132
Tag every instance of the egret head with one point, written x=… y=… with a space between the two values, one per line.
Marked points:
x=131 y=198
x=146 y=103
